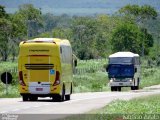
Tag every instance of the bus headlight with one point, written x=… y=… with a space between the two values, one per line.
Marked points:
x=130 y=80
x=112 y=79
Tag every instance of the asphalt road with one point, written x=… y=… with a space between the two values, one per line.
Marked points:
x=79 y=103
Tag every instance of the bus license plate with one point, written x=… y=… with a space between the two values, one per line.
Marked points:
x=39 y=89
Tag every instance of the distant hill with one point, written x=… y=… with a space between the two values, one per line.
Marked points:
x=77 y=7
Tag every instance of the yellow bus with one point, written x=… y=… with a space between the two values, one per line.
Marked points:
x=45 y=68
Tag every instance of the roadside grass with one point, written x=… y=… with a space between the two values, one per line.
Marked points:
x=7 y=66
x=139 y=108
x=91 y=82
x=13 y=87
x=12 y=91
x=91 y=76
x=150 y=76
x=141 y=105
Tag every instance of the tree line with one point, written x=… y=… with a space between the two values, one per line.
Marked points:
x=129 y=29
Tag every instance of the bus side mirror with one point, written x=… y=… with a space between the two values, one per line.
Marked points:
x=135 y=70
x=75 y=63
x=107 y=67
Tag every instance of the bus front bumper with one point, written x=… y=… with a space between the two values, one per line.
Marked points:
x=121 y=83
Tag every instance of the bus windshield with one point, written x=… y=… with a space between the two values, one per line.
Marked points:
x=121 y=60
x=117 y=70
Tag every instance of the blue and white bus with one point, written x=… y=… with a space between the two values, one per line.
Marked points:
x=124 y=71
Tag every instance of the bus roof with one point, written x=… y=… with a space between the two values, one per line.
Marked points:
x=49 y=40
x=123 y=54
x=43 y=40
x=136 y=55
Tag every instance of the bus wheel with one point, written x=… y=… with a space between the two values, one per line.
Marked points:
x=56 y=98
x=63 y=94
x=67 y=97
x=25 y=98
x=113 y=88
x=71 y=89
x=33 y=98
x=59 y=98
x=132 y=87
x=136 y=87
x=119 y=88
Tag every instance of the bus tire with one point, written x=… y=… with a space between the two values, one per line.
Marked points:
x=137 y=87
x=119 y=88
x=25 y=98
x=132 y=87
x=71 y=89
x=63 y=94
x=33 y=98
x=113 y=88
x=67 y=97
x=56 y=98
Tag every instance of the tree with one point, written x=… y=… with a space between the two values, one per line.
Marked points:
x=50 y=21
x=84 y=31
x=128 y=37
x=105 y=25
x=12 y=31
x=63 y=33
x=5 y=36
x=5 y=33
x=17 y=33
x=33 y=19
x=3 y=13
x=141 y=14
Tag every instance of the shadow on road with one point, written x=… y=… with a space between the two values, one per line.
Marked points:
x=44 y=100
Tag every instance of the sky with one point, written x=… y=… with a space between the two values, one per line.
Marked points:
x=77 y=7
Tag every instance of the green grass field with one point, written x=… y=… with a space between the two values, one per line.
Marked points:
x=136 y=109
x=91 y=76
x=7 y=66
x=150 y=76
x=12 y=88
x=143 y=105
x=12 y=91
